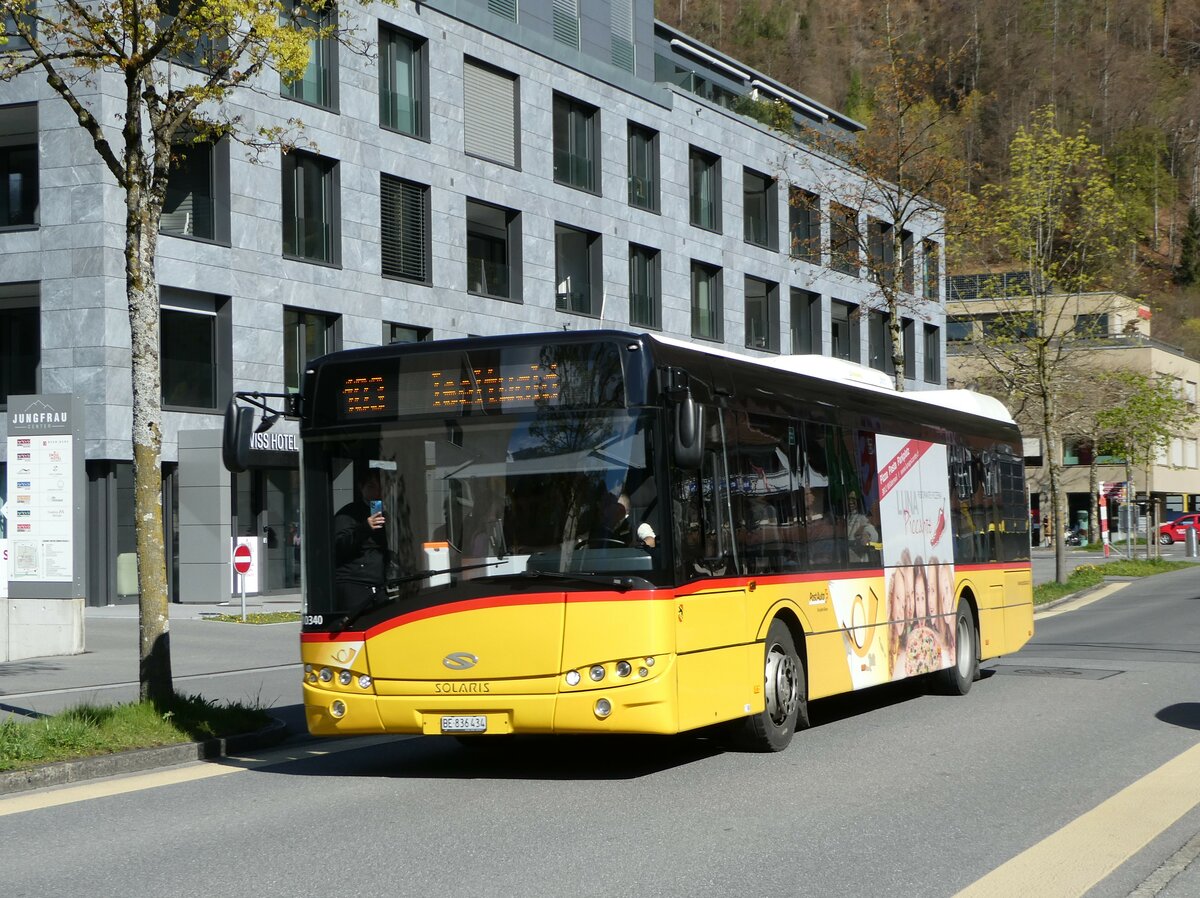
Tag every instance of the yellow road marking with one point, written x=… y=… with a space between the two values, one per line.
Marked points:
x=1083 y=601
x=1069 y=862
x=36 y=800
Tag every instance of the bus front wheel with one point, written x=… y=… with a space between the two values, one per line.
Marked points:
x=785 y=693
x=957 y=679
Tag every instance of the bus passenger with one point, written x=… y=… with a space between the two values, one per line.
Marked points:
x=360 y=546
x=863 y=535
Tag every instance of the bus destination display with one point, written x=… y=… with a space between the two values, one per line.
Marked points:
x=454 y=383
x=493 y=387
x=364 y=396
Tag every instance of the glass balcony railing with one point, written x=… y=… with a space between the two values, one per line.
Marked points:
x=574 y=170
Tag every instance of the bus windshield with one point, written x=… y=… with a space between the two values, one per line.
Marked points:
x=467 y=501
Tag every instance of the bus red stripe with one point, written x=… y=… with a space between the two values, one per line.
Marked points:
x=548 y=598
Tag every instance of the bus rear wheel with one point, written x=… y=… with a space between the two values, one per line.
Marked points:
x=957 y=679
x=785 y=693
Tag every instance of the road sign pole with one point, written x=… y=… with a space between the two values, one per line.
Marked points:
x=243 y=560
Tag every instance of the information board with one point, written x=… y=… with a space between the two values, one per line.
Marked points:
x=45 y=495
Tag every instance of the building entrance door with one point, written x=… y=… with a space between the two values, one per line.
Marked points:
x=267 y=508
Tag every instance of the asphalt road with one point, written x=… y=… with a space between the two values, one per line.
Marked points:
x=892 y=792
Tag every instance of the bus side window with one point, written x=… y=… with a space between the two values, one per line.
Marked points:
x=702 y=506
x=761 y=472
x=821 y=522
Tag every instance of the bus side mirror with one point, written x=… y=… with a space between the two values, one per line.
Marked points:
x=689 y=433
x=235 y=437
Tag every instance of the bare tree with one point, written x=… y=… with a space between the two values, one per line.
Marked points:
x=903 y=178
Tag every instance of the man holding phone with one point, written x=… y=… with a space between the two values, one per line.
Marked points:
x=360 y=546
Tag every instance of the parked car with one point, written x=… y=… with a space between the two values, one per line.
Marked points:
x=1177 y=529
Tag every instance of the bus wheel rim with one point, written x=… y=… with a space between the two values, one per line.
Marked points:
x=782 y=685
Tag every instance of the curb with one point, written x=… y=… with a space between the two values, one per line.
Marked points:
x=62 y=773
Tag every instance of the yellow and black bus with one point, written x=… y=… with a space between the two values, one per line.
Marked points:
x=609 y=532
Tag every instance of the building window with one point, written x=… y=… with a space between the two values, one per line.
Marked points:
x=404 y=229
x=317 y=85
x=933 y=354
x=643 y=168
x=960 y=330
x=931 y=262
x=20 y=341
x=908 y=336
x=645 y=287
x=882 y=257
x=879 y=342
x=18 y=166
x=1009 y=326
x=762 y=315
x=8 y=25
x=621 y=24
x=403 y=83
x=906 y=264
x=195 y=335
x=760 y=199
x=705 y=187
x=576 y=144
x=405 y=333
x=806 y=322
x=1189 y=393
x=306 y=336
x=493 y=251
x=197 y=200
x=191 y=49
x=1093 y=326
x=490 y=114
x=707 y=312
x=843 y=239
x=843 y=331
x=804 y=225
x=311 y=213
x=577 y=262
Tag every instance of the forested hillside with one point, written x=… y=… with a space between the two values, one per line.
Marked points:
x=1126 y=70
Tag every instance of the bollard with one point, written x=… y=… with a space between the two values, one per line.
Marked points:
x=1190 y=543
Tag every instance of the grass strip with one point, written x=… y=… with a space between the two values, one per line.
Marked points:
x=262 y=617
x=88 y=730
x=1088 y=575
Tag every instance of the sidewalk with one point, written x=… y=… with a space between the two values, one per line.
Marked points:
x=221 y=661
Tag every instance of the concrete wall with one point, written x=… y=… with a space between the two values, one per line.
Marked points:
x=39 y=628
x=205 y=537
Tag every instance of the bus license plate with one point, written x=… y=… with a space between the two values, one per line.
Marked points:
x=471 y=724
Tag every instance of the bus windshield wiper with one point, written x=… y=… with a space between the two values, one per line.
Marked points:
x=391 y=594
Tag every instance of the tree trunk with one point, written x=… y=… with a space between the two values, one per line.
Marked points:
x=896 y=332
x=154 y=668
x=1093 y=531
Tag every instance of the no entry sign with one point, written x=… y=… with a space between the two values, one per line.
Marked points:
x=241 y=559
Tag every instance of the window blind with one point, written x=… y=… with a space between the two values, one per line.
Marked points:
x=489 y=100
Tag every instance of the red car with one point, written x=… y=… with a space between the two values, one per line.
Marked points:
x=1177 y=529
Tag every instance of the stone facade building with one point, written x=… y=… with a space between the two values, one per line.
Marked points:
x=494 y=167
